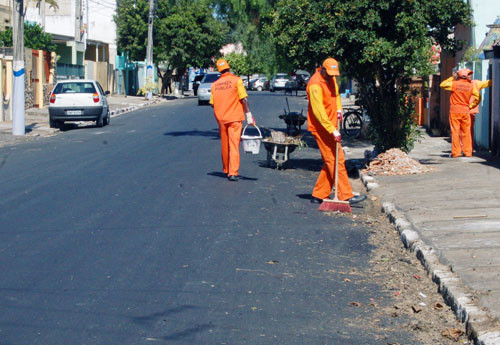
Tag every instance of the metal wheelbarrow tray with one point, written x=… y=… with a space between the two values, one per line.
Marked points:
x=279 y=153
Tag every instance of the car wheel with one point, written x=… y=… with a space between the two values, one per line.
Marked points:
x=272 y=90
x=107 y=119
x=200 y=102
x=100 y=122
x=52 y=124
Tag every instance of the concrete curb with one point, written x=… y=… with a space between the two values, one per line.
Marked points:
x=478 y=322
x=124 y=110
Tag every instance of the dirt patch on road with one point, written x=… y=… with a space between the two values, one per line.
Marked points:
x=413 y=296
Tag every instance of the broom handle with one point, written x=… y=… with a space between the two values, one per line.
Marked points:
x=336 y=170
x=337 y=144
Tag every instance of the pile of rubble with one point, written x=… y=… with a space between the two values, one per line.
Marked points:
x=394 y=162
x=282 y=138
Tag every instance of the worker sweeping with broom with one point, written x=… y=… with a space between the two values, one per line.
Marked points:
x=323 y=113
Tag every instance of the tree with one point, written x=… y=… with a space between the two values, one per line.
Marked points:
x=185 y=33
x=188 y=34
x=246 y=20
x=380 y=44
x=34 y=38
x=240 y=64
x=132 y=27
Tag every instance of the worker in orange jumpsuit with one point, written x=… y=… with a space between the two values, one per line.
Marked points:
x=230 y=102
x=462 y=90
x=324 y=110
x=479 y=85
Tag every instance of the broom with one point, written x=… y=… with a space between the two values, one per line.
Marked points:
x=336 y=205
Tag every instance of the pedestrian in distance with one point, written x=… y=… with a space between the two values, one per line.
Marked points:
x=462 y=91
x=323 y=113
x=230 y=102
x=479 y=85
x=166 y=81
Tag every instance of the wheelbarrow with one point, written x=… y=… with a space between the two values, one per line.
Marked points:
x=293 y=120
x=279 y=153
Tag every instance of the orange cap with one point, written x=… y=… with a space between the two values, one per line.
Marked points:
x=463 y=73
x=332 y=66
x=222 y=65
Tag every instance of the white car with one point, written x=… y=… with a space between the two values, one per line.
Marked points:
x=278 y=82
x=204 y=90
x=78 y=100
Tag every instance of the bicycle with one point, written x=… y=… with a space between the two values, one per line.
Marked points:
x=352 y=122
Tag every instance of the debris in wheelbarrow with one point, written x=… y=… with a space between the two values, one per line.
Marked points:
x=293 y=120
x=279 y=147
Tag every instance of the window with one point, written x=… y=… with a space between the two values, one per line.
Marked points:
x=76 y=87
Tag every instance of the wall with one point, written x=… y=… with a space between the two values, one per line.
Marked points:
x=482 y=124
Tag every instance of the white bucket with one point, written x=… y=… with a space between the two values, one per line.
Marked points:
x=251 y=144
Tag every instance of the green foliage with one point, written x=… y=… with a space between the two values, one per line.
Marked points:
x=188 y=34
x=380 y=44
x=240 y=64
x=132 y=27
x=247 y=20
x=34 y=38
x=185 y=32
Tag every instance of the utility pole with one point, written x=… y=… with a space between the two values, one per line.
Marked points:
x=78 y=21
x=18 y=92
x=42 y=7
x=149 y=52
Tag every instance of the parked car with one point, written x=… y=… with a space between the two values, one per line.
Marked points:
x=78 y=100
x=258 y=84
x=204 y=90
x=196 y=82
x=278 y=82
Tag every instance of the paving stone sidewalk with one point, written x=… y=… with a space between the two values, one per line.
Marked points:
x=451 y=218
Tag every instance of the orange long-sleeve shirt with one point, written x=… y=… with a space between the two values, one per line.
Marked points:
x=324 y=102
x=462 y=91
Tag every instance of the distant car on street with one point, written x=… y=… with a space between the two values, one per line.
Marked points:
x=278 y=82
x=258 y=84
x=78 y=100
x=204 y=90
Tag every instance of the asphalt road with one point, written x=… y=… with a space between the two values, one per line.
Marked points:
x=129 y=234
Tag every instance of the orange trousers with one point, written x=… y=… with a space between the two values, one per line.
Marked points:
x=460 y=134
x=230 y=136
x=325 y=182
x=472 y=120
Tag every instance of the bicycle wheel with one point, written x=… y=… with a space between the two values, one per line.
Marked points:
x=352 y=124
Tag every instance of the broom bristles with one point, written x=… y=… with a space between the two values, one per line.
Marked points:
x=329 y=205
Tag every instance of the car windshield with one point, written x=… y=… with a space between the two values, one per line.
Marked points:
x=76 y=87
x=210 y=78
x=198 y=77
x=281 y=76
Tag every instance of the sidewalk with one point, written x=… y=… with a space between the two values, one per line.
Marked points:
x=37 y=120
x=450 y=217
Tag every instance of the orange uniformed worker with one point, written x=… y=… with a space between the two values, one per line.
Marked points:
x=479 y=85
x=461 y=92
x=230 y=103
x=324 y=109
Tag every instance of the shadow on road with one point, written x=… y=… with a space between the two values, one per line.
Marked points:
x=214 y=133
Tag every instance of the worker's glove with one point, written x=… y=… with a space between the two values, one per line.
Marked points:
x=339 y=115
x=337 y=136
x=250 y=119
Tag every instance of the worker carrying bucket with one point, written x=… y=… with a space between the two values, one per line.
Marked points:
x=230 y=102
